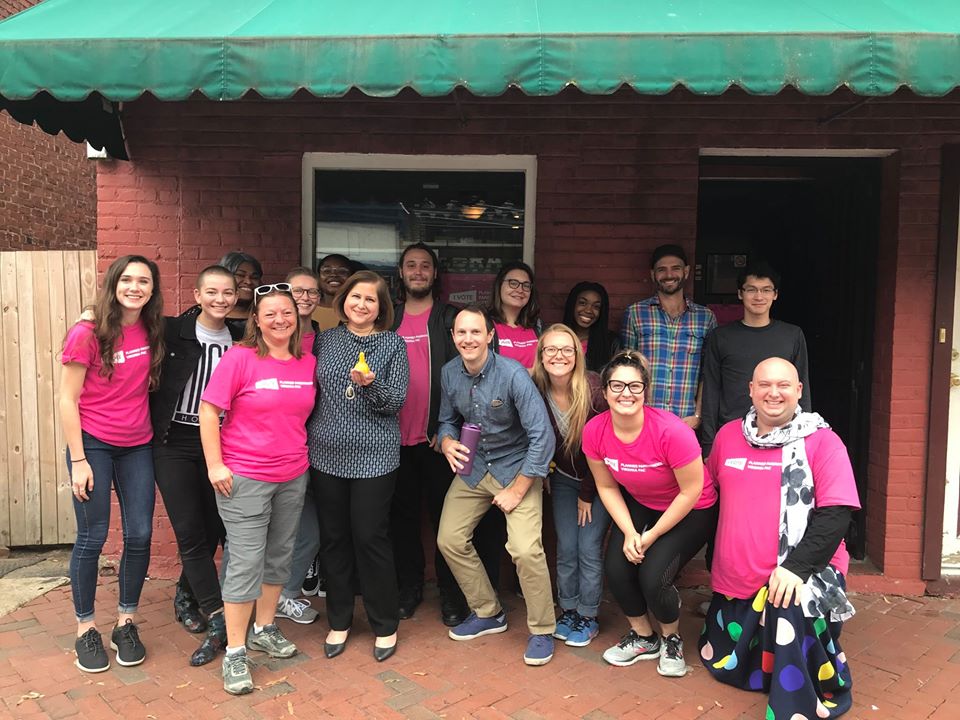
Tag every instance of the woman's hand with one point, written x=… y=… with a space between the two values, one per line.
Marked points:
x=633 y=547
x=783 y=587
x=81 y=480
x=221 y=478
x=584 y=512
x=362 y=379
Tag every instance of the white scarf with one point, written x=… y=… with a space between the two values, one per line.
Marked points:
x=822 y=592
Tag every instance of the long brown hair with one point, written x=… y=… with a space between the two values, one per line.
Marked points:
x=530 y=313
x=578 y=391
x=384 y=319
x=108 y=316
x=253 y=335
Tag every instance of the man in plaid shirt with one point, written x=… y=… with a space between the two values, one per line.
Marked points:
x=669 y=329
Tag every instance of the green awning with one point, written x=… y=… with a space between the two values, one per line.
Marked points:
x=66 y=50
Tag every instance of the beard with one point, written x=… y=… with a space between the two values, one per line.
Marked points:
x=670 y=291
x=418 y=294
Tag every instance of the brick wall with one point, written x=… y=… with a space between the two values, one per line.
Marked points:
x=47 y=186
x=617 y=175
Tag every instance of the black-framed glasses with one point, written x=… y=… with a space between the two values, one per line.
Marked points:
x=311 y=293
x=765 y=291
x=617 y=386
x=261 y=290
x=568 y=351
x=513 y=284
x=335 y=271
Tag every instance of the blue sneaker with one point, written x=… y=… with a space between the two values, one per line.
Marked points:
x=474 y=627
x=585 y=631
x=565 y=624
x=539 y=650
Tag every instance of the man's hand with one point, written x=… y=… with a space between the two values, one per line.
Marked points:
x=455 y=452
x=507 y=499
x=434 y=445
x=783 y=587
x=692 y=420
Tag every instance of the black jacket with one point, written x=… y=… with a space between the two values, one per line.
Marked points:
x=442 y=350
x=182 y=352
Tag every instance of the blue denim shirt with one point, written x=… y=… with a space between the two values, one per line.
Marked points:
x=515 y=436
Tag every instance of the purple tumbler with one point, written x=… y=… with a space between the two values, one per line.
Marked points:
x=469 y=436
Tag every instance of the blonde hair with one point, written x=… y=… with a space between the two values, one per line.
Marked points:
x=578 y=392
x=253 y=335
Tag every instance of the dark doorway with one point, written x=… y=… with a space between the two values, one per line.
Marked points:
x=817 y=221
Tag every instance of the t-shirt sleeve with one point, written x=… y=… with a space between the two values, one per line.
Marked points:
x=833 y=480
x=80 y=345
x=679 y=443
x=590 y=440
x=225 y=382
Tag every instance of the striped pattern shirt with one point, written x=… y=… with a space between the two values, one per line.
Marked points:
x=674 y=349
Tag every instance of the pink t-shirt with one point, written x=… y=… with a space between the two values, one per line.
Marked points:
x=267 y=403
x=749 y=482
x=114 y=410
x=645 y=466
x=306 y=343
x=416 y=409
x=518 y=343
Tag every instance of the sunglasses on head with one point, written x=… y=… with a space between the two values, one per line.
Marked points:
x=262 y=290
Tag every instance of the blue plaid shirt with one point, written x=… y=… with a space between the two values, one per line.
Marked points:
x=516 y=435
x=674 y=349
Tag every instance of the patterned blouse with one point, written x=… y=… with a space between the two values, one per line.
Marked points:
x=353 y=431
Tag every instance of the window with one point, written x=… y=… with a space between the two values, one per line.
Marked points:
x=475 y=211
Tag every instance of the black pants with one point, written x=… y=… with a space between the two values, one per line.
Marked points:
x=181 y=474
x=649 y=585
x=426 y=474
x=355 y=539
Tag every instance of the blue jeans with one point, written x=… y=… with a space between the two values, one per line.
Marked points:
x=579 y=549
x=130 y=471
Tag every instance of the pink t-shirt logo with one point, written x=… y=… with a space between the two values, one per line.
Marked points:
x=122 y=356
x=736 y=463
x=267 y=384
x=612 y=463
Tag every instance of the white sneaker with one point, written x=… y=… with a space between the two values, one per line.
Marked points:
x=297 y=610
x=671 y=657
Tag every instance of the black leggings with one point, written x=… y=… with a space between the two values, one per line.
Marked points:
x=181 y=474
x=649 y=585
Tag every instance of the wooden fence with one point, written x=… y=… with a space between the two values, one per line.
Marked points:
x=41 y=294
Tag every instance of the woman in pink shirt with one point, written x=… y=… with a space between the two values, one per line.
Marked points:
x=109 y=365
x=515 y=310
x=649 y=474
x=257 y=464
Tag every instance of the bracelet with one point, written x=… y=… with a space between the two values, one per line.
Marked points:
x=78 y=460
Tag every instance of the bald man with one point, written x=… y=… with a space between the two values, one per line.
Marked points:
x=786 y=491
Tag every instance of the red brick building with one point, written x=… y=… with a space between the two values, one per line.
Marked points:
x=855 y=198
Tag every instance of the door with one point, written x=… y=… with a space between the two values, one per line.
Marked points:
x=951 y=504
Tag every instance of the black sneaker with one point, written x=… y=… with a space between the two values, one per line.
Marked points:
x=321 y=586
x=91 y=656
x=125 y=640
x=312 y=580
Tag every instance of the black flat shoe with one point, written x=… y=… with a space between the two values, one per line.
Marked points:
x=213 y=644
x=331 y=650
x=452 y=613
x=382 y=653
x=187 y=611
x=409 y=601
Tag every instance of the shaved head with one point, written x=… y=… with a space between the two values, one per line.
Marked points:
x=775 y=392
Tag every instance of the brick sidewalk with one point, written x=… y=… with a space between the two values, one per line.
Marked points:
x=904 y=654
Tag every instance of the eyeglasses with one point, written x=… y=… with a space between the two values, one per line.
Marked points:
x=617 y=387
x=526 y=286
x=765 y=291
x=568 y=351
x=267 y=289
x=311 y=293
x=335 y=271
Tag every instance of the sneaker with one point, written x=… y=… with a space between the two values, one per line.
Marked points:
x=271 y=641
x=565 y=624
x=125 y=640
x=585 y=631
x=539 y=650
x=321 y=586
x=91 y=656
x=671 y=657
x=631 y=648
x=312 y=580
x=474 y=627
x=237 y=679
x=297 y=610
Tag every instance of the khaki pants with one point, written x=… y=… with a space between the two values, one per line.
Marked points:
x=462 y=510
